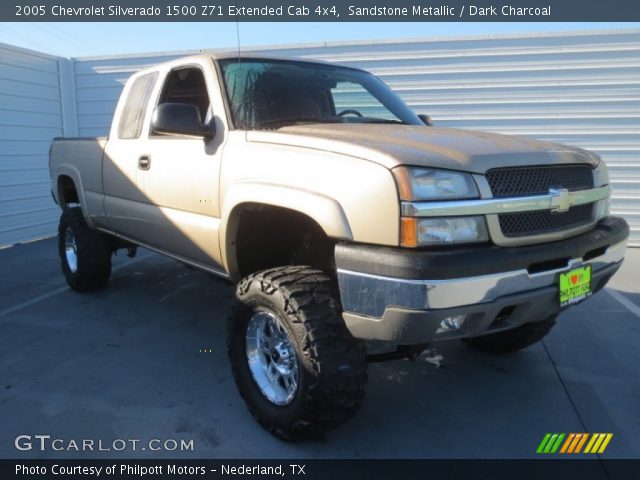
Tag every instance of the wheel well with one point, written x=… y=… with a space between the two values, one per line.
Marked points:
x=269 y=236
x=67 y=192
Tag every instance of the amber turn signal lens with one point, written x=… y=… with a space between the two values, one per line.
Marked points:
x=408 y=232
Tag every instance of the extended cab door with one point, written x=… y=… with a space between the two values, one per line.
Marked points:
x=123 y=197
x=177 y=177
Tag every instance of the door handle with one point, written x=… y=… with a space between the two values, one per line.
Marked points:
x=144 y=162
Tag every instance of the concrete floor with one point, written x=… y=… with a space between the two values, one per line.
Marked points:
x=128 y=362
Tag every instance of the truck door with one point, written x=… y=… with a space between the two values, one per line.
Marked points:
x=179 y=175
x=126 y=143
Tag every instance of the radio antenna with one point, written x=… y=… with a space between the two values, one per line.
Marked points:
x=238 y=37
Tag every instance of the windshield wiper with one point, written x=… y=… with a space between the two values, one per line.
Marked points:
x=384 y=120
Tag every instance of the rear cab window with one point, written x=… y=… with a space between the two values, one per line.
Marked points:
x=132 y=118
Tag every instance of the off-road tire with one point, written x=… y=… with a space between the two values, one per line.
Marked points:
x=332 y=363
x=511 y=341
x=93 y=252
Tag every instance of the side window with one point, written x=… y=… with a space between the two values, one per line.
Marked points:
x=132 y=117
x=186 y=85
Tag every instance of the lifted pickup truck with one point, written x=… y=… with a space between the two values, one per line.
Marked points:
x=348 y=221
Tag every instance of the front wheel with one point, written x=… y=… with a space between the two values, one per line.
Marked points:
x=511 y=341
x=295 y=363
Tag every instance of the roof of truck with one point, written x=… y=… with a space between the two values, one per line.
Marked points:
x=234 y=55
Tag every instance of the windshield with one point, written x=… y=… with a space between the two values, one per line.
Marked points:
x=269 y=94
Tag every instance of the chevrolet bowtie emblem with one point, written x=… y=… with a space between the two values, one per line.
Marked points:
x=560 y=200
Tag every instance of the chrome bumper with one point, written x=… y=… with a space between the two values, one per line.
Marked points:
x=370 y=295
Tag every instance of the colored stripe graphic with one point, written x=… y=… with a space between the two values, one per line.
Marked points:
x=568 y=442
x=596 y=446
x=593 y=440
x=597 y=442
x=605 y=443
x=556 y=445
x=543 y=443
x=581 y=443
x=574 y=444
x=550 y=443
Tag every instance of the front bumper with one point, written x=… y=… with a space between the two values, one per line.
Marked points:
x=402 y=296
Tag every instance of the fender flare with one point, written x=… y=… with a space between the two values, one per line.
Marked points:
x=73 y=173
x=324 y=210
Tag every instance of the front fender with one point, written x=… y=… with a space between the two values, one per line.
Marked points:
x=325 y=211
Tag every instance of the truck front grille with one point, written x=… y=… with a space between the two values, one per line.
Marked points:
x=539 y=222
x=523 y=181
x=529 y=181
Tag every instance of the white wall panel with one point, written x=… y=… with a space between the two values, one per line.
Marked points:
x=30 y=116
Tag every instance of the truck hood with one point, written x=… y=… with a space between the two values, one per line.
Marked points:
x=392 y=145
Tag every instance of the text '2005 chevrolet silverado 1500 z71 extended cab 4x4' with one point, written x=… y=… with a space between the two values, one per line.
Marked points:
x=346 y=219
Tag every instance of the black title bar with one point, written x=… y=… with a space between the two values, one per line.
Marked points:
x=300 y=469
x=319 y=11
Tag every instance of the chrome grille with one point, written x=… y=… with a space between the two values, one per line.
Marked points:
x=528 y=181
x=523 y=181
x=540 y=222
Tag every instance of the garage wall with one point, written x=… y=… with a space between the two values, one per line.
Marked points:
x=31 y=114
x=577 y=88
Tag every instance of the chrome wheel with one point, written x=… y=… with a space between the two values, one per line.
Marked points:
x=70 y=250
x=272 y=358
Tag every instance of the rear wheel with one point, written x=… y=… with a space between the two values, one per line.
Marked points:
x=513 y=340
x=295 y=363
x=84 y=253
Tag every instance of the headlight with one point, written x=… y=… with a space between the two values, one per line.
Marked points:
x=417 y=232
x=417 y=184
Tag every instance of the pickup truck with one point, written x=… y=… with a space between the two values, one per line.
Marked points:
x=355 y=230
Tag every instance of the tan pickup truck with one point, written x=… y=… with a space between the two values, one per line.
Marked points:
x=355 y=229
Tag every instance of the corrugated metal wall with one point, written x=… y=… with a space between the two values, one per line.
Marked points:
x=30 y=116
x=577 y=88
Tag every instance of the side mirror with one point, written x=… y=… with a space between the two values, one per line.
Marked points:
x=426 y=119
x=180 y=119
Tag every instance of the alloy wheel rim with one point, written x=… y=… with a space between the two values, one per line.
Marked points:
x=70 y=250
x=272 y=358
